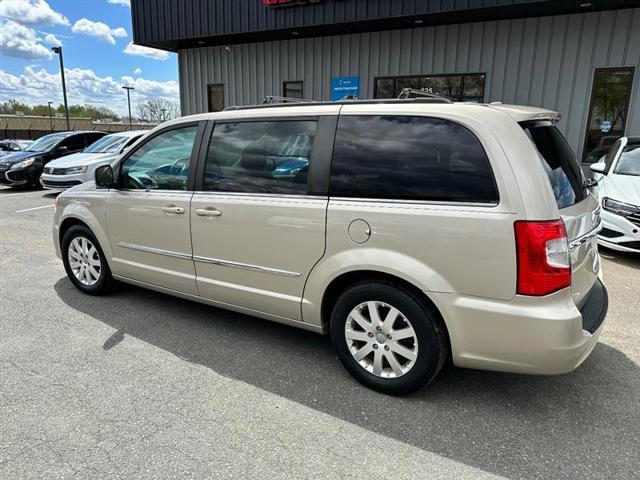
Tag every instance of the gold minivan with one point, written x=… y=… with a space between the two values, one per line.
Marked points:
x=411 y=231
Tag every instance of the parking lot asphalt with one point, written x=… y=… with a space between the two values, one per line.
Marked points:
x=143 y=385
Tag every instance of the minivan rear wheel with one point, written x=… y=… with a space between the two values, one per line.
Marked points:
x=84 y=261
x=387 y=338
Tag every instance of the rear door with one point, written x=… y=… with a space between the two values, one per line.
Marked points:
x=579 y=209
x=258 y=215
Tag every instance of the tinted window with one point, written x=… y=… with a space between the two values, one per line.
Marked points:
x=559 y=162
x=74 y=142
x=162 y=162
x=260 y=157
x=410 y=158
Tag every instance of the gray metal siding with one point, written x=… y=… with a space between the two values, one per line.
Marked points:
x=170 y=20
x=544 y=61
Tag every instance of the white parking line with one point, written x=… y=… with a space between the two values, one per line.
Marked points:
x=34 y=208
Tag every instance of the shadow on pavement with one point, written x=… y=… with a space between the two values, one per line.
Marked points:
x=628 y=259
x=582 y=425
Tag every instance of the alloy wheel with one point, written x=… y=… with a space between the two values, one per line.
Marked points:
x=84 y=261
x=381 y=339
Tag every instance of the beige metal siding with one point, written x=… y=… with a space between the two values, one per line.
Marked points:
x=543 y=61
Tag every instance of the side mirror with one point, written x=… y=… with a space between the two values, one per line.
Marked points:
x=600 y=168
x=103 y=176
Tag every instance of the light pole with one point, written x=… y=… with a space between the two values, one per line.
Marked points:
x=50 y=116
x=128 y=89
x=58 y=50
x=164 y=114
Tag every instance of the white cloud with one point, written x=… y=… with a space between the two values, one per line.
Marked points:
x=52 y=40
x=137 y=71
x=99 y=30
x=83 y=87
x=31 y=13
x=21 y=42
x=124 y=3
x=133 y=49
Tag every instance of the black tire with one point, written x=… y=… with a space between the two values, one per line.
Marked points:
x=105 y=282
x=423 y=317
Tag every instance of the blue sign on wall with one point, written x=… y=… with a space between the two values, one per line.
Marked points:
x=343 y=86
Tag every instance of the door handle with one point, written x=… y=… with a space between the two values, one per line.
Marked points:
x=208 y=212
x=173 y=209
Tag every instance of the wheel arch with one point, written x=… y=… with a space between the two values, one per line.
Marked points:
x=94 y=227
x=340 y=283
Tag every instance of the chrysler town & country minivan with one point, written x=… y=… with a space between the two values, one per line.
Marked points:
x=410 y=231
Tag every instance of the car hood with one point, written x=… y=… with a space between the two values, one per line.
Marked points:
x=624 y=188
x=78 y=159
x=17 y=157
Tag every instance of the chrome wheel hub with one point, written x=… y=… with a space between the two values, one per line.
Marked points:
x=84 y=261
x=381 y=339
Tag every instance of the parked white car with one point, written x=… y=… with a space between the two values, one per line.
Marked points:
x=78 y=168
x=618 y=175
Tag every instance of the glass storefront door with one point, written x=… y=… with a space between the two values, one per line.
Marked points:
x=608 y=110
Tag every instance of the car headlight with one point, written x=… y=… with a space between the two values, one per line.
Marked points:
x=619 y=208
x=23 y=164
x=70 y=170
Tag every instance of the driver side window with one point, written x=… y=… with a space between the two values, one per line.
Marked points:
x=162 y=163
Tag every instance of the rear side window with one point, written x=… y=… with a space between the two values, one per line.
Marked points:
x=559 y=162
x=260 y=157
x=410 y=158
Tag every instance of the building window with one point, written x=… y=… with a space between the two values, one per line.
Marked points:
x=608 y=111
x=216 y=97
x=465 y=87
x=292 y=89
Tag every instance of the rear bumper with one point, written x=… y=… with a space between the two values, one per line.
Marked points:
x=533 y=335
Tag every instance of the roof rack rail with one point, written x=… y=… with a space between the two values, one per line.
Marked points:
x=302 y=103
x=271 y=99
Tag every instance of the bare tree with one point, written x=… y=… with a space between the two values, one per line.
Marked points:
x=157 y=111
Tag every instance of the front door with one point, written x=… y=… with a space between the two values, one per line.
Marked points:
x=257 y=230
x=148 y=216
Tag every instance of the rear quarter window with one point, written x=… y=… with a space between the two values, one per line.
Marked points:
x=410 y=158
x=558 y=161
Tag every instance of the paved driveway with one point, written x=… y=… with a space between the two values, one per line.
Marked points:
x=143 y=385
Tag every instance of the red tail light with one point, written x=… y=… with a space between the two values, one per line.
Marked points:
x=543 y=257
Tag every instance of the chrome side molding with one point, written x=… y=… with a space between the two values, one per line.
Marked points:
x=158 y=251
x=245 y=266
x=212 y=261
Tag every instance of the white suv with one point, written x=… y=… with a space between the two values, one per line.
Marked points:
x=410 y=231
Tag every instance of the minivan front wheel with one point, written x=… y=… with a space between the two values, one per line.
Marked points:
x=85 y=262
x=387 y=338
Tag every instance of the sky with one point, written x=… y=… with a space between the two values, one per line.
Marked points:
x=99 y=56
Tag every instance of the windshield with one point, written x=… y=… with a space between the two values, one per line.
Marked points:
x=108 y=144
x=45 y=143
x=629 y=163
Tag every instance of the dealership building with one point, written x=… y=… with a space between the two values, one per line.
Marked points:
x=580 y=58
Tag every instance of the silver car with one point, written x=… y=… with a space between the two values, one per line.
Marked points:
x=78 y=168
x=410 y=231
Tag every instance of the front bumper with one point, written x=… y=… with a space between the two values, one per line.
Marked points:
x=18 y=176
x=61 y=182
x=620 y=233
x=534 y=335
